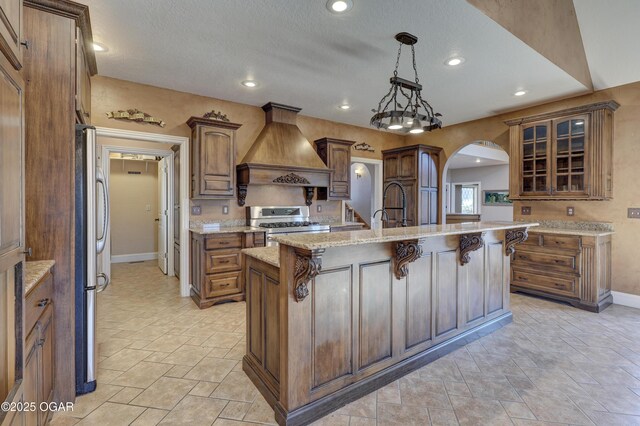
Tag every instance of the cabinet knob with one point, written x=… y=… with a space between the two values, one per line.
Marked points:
x=28 y=252
x=26 y=44
x=43 y=302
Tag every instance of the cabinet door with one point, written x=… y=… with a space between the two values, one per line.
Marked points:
x=535 y=155
x=83 y=81
x=47 y=360
x=217 y=162
x=11 y=31
x=407 y=165
x=11 y=167
x=570 y=156
x=428 y=170
x=340 y=162
x=390 y=166
x=31 y=374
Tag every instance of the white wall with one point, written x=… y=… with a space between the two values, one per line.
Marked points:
x=490 y=178
x=362 y=190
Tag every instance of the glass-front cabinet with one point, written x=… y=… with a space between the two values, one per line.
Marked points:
x=563 y=155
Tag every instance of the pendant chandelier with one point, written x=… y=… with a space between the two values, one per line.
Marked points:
x=402 y=108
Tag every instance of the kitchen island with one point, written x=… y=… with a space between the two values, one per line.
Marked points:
x=332 y=317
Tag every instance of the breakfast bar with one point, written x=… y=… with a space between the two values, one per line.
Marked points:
x=332 y=317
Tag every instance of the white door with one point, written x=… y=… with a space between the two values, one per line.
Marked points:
x=162 y=215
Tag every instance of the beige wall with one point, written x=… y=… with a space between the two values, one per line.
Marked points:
x=133 y=228
x=626 y=158
x=175 y=108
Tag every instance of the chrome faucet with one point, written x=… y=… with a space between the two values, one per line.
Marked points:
x=384 y=208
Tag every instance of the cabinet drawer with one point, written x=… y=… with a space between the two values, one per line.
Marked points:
x=554 y=261
x=223 y=241
x=564 y=285
x=532 y=240
x=340 y=189
x=568 y=242
x=221 y=284
x=36 y=302
x=222 y=261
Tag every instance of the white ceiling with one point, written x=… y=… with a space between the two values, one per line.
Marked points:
x=478 y=156
x=303 y=55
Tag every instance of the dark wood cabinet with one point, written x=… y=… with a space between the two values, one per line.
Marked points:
x=563 y=155
x=571 y=268
x=216 y=266
x=11 y=31
x=83 y=81
x=416 y=168
x=213 y=158
x=336 y=154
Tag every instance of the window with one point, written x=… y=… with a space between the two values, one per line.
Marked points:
x=465 y=198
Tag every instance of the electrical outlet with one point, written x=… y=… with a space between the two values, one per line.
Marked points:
x=148 y=207
x=570 y=211
x=196 y=210
x=525 y=210
x=319 y=208
x=633 y=213
x=225 y=209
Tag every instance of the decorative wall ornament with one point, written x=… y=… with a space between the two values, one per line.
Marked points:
x=363 y=147
x=135 y=115
x=307 y=267
x=309 y=192
x=469 y=243
x=513 y=237
x=406 y=252
x=292 y=178
x=216 y=115
x=242 y=195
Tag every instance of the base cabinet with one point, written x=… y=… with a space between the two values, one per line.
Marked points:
x=571 y=268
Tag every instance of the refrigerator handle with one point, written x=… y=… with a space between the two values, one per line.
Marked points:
x=106 y=280
x=105 y=211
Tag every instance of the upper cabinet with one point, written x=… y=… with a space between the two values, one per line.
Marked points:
x=563 y=155
x=336 y=154
x=11 y=31
x=213 y=158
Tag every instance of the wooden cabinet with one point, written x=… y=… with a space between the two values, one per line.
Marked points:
x=416 y=168
x=38 y=381
x=563 y=155
x=571 y=268
x=216 y=265
x=213 y=158
x=11 y=31
x=83 y=81
x=336 y=154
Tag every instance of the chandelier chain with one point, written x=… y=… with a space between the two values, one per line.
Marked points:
x=415 y=68
x=395 y=71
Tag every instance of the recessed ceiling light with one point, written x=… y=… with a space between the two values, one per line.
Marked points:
x=477 y=160
x=520 y=93
x=249 y=83
x=339 y=6
x=97 y=47
x=345 y=106
x=456 y=60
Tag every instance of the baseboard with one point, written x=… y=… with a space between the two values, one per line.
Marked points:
x=626 y=299
x=137 y=257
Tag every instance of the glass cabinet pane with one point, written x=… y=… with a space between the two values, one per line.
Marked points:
x=528 y=134
x=562 y=129
x=535 y=162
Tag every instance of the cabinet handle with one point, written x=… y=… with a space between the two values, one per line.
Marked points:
x=28 y=252
x=26 y=44
x=224 y=261
x=224 y=285
x=524 y=279
x=40 y=342
x=42 y=303
x=223 y=243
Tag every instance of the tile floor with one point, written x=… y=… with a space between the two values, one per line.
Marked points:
x=164 y=361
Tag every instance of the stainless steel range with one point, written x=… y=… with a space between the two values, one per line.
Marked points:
x=282 y=221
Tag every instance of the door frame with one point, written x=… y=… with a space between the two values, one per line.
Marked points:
x=377 y=183
x=167 y=141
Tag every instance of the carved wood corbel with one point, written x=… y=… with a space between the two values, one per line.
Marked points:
x=242 y=194
x=469 y=243
x=309 y=192
x=406 y=252
x=307 y=267
x=513 y=237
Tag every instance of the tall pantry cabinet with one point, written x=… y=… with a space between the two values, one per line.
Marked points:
x=57 y=65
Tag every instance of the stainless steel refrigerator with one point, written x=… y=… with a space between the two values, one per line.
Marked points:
x=92 y=224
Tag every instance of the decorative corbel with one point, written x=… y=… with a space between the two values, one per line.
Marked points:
x=242 y=194
x=513 y=237
x=469 y=243
x=307 y=267
x=406 y=252
x=309 y=192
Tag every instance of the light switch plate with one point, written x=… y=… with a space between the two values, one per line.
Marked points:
x=633 y=213
x=196 y=210
x=571 y=211
x=319 y=208
x=525 y=210
x=225 y=209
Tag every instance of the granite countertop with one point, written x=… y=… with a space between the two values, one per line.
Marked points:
x=348 y=238
x=565 y=227
x=565 y=231
x=270 y=255
x=340 y=224
x=224 y=229
x=34 y=271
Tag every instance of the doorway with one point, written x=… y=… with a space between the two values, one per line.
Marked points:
x=366 y=187
x=140 y=143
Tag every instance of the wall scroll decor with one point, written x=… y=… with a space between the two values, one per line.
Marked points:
x=363 y=147
x=216 y=115
x=137 y=116
x=292 y=178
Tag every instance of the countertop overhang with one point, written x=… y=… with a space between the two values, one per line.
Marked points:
x=348 y=238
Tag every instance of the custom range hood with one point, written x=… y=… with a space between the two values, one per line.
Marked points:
x=281 y=155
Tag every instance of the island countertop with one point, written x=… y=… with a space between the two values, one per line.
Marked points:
x=270 y=254
x=348 y=238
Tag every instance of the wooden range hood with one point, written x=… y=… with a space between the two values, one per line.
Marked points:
x=281 y=155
